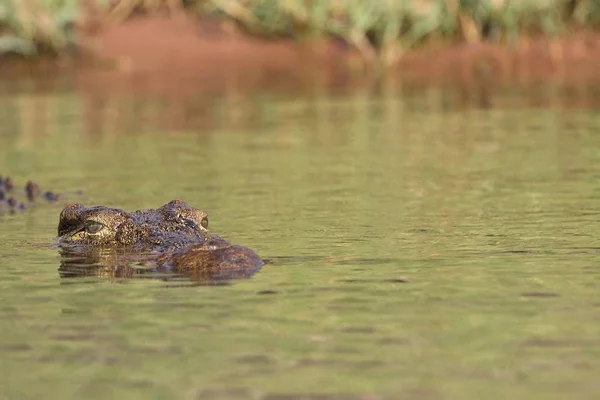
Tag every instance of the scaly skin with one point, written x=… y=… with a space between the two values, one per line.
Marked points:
x=174 y=238
x=10 y=200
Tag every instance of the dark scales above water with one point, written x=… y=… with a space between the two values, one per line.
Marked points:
x=173 y=239
x=11 y=200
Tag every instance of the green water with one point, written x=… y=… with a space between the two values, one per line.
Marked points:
x=425 y=247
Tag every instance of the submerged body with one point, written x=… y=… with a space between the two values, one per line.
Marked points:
x=171 y=239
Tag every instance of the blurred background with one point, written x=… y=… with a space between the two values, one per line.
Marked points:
x=423 y=176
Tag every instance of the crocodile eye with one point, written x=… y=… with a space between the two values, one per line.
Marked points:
x=93 y=227
x=204 y=222
x=190 y=223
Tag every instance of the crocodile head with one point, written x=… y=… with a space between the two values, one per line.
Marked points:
x=175 y=224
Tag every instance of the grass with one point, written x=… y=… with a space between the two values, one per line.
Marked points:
x=32 y=27
x=381 y=30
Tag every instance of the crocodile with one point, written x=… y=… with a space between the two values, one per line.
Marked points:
x=172 y=240
x=10 y=197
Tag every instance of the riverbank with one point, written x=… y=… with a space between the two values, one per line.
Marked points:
x=163 y=51
x=181 y=46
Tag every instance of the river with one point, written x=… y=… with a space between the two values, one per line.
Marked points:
x=426 y=243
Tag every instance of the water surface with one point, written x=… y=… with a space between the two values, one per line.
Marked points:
x=427 y=245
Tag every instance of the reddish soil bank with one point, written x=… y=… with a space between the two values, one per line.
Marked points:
x=174 y=54
x=571 y=61
x=179 y=55
x=185 y=47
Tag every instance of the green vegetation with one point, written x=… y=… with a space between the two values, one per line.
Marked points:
x=384 y=29
x=380 y=30
x=31 y=27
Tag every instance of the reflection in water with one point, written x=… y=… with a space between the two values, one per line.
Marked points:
x=123 y=107
x=109 y=263
x=201 y=266
x=424 y=241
